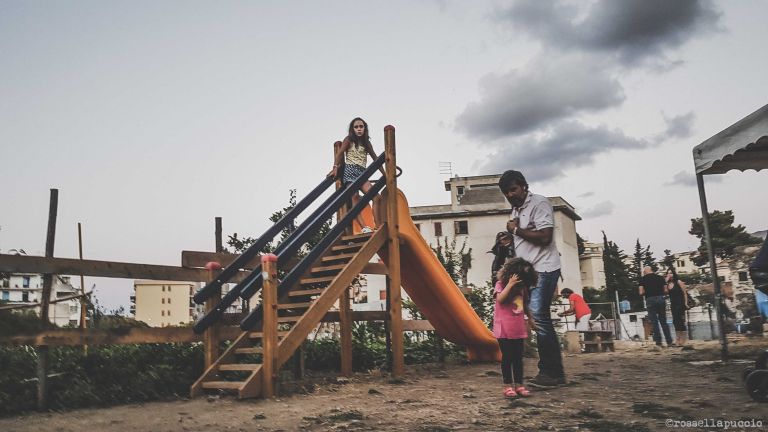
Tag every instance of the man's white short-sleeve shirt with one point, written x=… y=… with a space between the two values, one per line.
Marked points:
x=536 y=213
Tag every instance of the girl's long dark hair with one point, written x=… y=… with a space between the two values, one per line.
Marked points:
x=364 y=140
x=523 y=269
x=675 y=278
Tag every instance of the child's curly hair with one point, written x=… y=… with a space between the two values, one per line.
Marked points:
x=522 y=268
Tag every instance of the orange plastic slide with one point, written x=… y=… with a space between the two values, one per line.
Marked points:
x=436 y=295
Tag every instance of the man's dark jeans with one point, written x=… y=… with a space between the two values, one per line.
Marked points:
x=657 y=313
x=550 y=359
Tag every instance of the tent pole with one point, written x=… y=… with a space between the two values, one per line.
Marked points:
x=712 y=267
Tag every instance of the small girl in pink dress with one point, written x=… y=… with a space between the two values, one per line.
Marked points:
x=509 y=327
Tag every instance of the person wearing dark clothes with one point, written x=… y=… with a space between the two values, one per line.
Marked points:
x=503 y=250
x=678 y=301
x=653 y=287
x=759 y=269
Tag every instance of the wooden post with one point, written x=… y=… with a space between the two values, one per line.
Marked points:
x=345 y=311
x=42 y=351
x=269 y=324
x=345 y=321
x=211 y=334
x=83 y=303
x=393 y=228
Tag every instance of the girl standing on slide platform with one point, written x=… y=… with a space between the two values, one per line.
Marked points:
x=355 y=150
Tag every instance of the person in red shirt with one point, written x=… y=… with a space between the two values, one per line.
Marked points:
x=579 y=308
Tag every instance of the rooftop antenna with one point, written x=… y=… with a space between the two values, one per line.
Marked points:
x=445 y=168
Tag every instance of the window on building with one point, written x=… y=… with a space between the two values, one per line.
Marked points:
x=162 y=313
x=742 y=276
x=162 y=300
x=6 y=295
x=25 y=281
x=633 y=318
x=438 y=229
x=168 y=313
x=681 y=263
x=722 y=278
x=383 y=295
x=163 y=288
x=72 y=309
x=25 y=296
x=461 y=227
x=459 y=190
x=169 y=300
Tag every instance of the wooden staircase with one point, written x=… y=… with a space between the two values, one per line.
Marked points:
x=239 y=368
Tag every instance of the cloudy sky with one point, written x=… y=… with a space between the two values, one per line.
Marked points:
x=152 y=118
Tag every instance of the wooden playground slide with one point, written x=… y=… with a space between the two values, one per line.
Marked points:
x=436 y=295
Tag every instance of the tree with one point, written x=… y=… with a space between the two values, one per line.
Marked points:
x=241 y=244
x=617 y=274
x=725 y=236
x=580 y=244
x=669 y=259
x=456 y=262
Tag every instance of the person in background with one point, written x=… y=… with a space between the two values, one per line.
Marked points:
x=758 y=271
x=515 y=277
x=654 y=288
x=578 y=308
x=503 y=250
x=678 y=303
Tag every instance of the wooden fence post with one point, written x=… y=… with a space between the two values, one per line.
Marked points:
x=42 y=351
x=393 y=230
x=269 y=324
x=211 y=334
x=345 y=311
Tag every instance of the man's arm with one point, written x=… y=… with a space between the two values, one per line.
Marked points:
x=641 y=289
x=541 y=237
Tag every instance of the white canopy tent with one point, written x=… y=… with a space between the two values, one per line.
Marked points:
x=741 y=146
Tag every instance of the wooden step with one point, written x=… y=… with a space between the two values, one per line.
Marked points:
x=289 y=319
x=317 y=280
x=306 y=292
x=329 y=268
x=347 y=247
x=339 y=257
x=239 y=367
x=224 y=385
x=251 y=350
x=259 y=335
x=303 y=305
x=357 y=237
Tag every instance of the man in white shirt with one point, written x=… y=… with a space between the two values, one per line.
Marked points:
x=532 y=226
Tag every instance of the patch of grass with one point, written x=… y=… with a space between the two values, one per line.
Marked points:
x=346 y=415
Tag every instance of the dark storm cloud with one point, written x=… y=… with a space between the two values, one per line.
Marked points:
x=600 y=209
x=547 y=90
x=633 y=30
x=680 y=126
x=686 y=178
x=567 y=145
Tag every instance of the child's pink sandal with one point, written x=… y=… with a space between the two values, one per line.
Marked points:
x=510 y=393
x=522 y=391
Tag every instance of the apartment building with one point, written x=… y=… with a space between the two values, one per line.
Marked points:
x=27 y=289
x=477 y=211
x=164 y=303
x=592 y=267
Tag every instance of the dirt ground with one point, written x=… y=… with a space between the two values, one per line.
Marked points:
x=636 y=388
